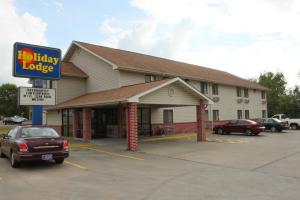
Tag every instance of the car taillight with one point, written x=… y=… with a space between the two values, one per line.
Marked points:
x=66 y=145
x=23 y=147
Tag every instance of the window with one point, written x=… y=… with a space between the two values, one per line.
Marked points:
x=246 y=93
x=263 y=94
x=150 y=78
x=264 y=113
x=203 y=86
x=206 y=115
x=247 y=114
x=147 y=78
x=215 y=89
x=215 y=115
x=13 y=133
x=33 y=132
x=238 y=92
x=168 y=116
x=47 y=84
x=239 y=114
x=67 y=123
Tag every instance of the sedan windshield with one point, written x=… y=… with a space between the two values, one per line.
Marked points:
x=33 y=132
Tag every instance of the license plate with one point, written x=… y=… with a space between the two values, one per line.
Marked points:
x=47 y=157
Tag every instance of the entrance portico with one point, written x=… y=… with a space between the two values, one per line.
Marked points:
x=120 y=110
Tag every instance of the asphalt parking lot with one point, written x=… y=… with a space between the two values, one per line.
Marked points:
x=224 y=167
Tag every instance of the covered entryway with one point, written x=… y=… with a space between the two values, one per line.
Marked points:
x=126 y=111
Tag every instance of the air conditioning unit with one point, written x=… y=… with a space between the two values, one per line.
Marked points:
x=263 y=101
x=239 y=100
x=247 y=101
x=216 y=99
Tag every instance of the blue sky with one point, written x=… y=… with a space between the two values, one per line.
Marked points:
x=67 y=21
x=245 y=37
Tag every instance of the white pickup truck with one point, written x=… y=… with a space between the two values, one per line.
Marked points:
x=293 y=123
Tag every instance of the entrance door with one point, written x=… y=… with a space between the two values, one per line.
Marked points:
x=104 y=122
x=100 y=124
x=144 y=121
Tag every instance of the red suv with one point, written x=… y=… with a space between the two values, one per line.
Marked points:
x=246 y=126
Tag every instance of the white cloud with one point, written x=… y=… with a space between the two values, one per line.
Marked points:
x=172 y=27
x=59 y=6
x=250 y=16
x=17 y=28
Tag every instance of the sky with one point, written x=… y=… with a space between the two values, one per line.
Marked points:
x=245 y=38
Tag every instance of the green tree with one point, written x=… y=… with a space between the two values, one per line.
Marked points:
x=8 y=101
x=294 y=106
x=277 y=98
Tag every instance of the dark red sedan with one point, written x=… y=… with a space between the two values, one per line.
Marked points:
x=245 y=126
x=29 y=143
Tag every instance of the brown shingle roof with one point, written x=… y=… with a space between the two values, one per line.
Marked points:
x=69 y=69
x=126 y=60
x=107 y=96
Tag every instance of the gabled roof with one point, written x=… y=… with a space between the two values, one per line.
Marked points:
x=130 y=93
x=69 y=69
x=130 y=61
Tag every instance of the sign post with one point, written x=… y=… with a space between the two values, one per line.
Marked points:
x=37 y=110
x=39 y=63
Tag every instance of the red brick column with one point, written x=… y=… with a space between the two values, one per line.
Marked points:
x=86 y=117
x=74 y=122
x=120 y=109
x=131 y=127
x=201 y=121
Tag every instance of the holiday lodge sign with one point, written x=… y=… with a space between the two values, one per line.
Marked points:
x=33 y=61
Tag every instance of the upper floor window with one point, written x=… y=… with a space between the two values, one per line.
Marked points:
x=48 y=84
x=246 y=92
x=204 y=87
x=150 y=78
x=215 y=89
x=263 y=94
x=238 y=92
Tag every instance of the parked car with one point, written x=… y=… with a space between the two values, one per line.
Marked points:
x=30 y=143
x=273 y=124
x=293 y=123
x=14 y=120
x=245 y=126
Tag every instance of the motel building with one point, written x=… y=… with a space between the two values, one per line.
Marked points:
x=111 y=93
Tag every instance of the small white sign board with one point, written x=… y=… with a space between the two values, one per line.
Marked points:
x=36 y=96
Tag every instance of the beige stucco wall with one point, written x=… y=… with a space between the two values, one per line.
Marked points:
x=69 y=87
x=181 y=96
x=227 y=105
x=130 y=78
x=54 y=117
x=102 y=76
x=180 y=114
